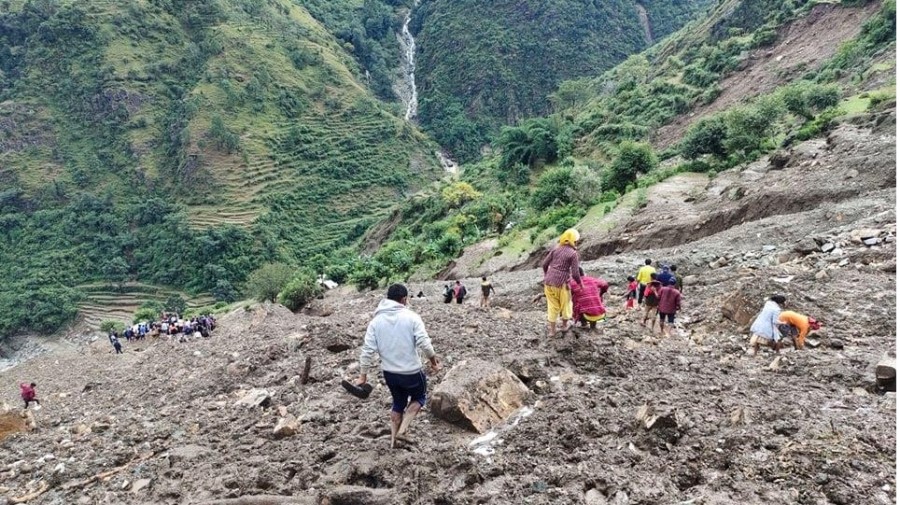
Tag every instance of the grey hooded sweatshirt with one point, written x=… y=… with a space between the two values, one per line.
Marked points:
x=394 y=334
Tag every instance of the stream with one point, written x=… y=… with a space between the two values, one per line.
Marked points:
x=406 y=89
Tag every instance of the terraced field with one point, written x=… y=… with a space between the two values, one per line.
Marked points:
x=105 y=302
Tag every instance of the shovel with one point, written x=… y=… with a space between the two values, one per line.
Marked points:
x=362 y=392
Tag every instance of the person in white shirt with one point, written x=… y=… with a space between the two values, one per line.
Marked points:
x=395 y=334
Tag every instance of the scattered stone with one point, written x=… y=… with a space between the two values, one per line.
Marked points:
x=821 y=275
x=836 y=344
x=594 y=497
x=775 y=364
x=769 y=248
x=286 y=427
x=859 y=392
x=140 y=485
x=872 y=241
x=255 y=398
x=886 y=373
x=99 y=427
x=740 y=416
x=59 y=469
x=837 y=252
x=81 y=429
x=478 y=395
x=828 y=247
x=806 y=246
x=358 y=495
x=740 y=307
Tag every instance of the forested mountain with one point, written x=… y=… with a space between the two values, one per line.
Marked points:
x=487 y=64
x=184 y=142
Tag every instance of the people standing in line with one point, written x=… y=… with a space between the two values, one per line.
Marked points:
x=486 y=290
x=632 y=293
x=587 y=304
x=765 y=327
x=796 y=326
x=643 y=279
x=28 y=393
x=664 y=275
x=448 y=293
x=559 y=265
x=669 y=305
x=651 y=301
x=395 y=334
x=459 y=292
x=679 y=282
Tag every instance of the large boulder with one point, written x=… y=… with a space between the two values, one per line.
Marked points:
x=478 y=395
x=741 y=307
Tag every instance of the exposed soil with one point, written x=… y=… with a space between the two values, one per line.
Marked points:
x=160 y=423
x=802 y=46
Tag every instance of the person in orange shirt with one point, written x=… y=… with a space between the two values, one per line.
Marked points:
x=796 y=326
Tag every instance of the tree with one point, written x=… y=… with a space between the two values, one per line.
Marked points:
x=553 y=188
x=175 y=303
x=458 y=193
x=267 y=281
x=302 y=289
x=706 y=136
x=633 y=158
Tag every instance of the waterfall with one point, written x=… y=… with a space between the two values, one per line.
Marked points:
x=406 y=89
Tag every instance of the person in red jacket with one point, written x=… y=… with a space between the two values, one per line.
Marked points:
x=587 y=304
x=669 y=304
x=28 y=393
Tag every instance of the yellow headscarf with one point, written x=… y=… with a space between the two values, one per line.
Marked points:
x=569 y=237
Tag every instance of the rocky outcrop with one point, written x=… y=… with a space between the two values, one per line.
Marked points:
x=478 y=395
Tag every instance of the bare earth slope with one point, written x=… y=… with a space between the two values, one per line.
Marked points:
x=159 y=424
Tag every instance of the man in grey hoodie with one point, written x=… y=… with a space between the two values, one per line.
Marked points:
x=395 y=334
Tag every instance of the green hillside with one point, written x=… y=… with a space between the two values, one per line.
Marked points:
x=184 y=142
x=487 y=64
x=725 y=90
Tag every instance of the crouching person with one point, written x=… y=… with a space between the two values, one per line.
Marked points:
x=395 y=334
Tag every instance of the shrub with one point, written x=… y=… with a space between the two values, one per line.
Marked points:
x=176 y=304
x=267 y=281
x=706 y=136
x=145 y=315
x=633 y=158
x=302 y=289
x=458 y=193
x=553 y=188
x=109 y=326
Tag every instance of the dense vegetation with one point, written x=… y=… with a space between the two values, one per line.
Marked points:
x=547 y=172
x=184 y=143
x=487 y=64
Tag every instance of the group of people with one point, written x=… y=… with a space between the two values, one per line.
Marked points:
x=458 y=292
x=773 y=325
x=170 y=325
x=573 y=297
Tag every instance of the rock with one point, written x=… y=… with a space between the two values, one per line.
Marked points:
x=594 y=497
x=851 y=174
x=837 y=252
x=827 y=247
x=835 y=344
x=886 y=373
x=662 y=421
x=198 y=354
x=478 y=395
x=99 y=427
x=859 y=392
x=775 y=364
x=779 y=160
x=286 y=427
x=255 y=398
x=806 y=246
x=740 y=416
x=872 y=241
x=337 y=346
x=769 y=248
x=861 y=234
x=719 y=263
x=357 y=495
x=59 y=469
x=740 y=308
x=140 y=485
x=821 y=275
x=81 y=429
